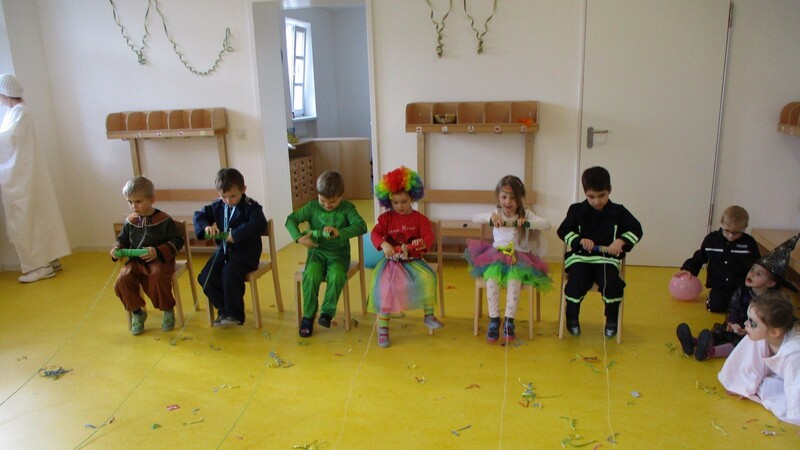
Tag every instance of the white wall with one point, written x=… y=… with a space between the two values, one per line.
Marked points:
x=339 y=42
x=31 y=68
x=352 y=74
x=268 y=23
x=323 y=51
x=532 y=51
x=6 y=65
x=759 y=167
x=92 y=73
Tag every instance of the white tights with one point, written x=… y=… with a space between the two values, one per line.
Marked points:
x=512 y=299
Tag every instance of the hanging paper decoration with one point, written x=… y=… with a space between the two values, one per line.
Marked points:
x=478 y=33
x=138 y=50
x=439 y=27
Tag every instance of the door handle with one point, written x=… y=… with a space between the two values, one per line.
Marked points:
x=590 y=132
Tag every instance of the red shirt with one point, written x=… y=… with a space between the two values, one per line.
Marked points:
x=399 y=229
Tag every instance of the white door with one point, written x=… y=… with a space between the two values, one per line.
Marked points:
x=653 y=78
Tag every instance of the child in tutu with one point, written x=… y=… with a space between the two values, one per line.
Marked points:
x=510 y=260
x=403 y=280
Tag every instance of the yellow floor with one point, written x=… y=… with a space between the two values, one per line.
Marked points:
x=202 y=387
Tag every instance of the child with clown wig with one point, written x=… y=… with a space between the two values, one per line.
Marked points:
x=402 y=281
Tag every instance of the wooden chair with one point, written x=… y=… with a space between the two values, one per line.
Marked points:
x=562 y=316
x=534 y=297
x=356 y=267
x=252 y=278
x=181 y=266
x=438 y=266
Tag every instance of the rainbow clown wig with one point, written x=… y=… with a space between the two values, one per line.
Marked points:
x=399 y=180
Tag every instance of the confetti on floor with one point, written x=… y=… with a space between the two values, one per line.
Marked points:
x=573 y=440
x=314 y=445
x=53 y=372
x=277 y=362
x=724 y=433
x=458 y=431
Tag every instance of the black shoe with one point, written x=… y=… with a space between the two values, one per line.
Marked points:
x=324 y=320
x=610 y=329
x=508 y=330
x=574 y=327
x=686 y=339
x=703 y=343
x=306 y=327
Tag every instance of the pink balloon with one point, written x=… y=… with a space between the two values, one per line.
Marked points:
x=685 y=288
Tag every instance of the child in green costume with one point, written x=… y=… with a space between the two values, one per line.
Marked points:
x=331 y=223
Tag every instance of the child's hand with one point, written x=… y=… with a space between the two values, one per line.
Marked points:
x=521 y=222
x=683 y=273
x=150 y=256
x=212 y=230
x=587 y=244
x=616 y=247
x=229 y=239
x=495 y=219
x=388 y=250
x=114 y=249
x=734 y=327
x=332 y=231
x=305 y=241
x=419 y=244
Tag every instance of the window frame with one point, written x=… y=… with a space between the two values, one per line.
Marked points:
x=299 y=85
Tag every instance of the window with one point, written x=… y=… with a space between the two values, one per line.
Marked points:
x=300 y=66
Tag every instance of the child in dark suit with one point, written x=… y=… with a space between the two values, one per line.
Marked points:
x=236 y=222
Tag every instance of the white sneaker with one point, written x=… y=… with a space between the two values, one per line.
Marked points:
x=432 y=322
x=56 y=265
x=37 y=274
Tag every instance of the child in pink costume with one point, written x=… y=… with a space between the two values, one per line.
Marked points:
x=510 y=260
x=402 y=280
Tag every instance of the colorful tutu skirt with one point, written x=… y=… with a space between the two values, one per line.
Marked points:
x=402 y=285
x=491 y=263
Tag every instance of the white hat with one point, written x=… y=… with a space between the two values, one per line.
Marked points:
x=9 y=86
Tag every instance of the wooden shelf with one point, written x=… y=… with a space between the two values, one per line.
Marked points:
x=473 y=117
x=166 y=124
x=789 y=122
x=133 y=126
x=303 y=179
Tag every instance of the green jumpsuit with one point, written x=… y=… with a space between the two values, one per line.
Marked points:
x=330 y=260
